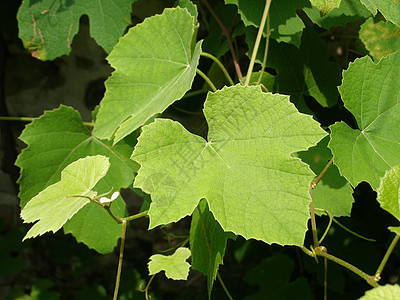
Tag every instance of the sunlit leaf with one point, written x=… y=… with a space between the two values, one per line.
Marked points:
x=387 y=292
x=390 y=9
x=175 y=265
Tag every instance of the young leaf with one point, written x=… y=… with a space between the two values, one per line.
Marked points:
x=286 y=26
x=245 y=170
x=387 y=291
x=390 y=9
x=371 y=92
x=54 y=206
x=380 y=38
x=57 y=139
x=47 y=27
x=207 y=243
x=395 y=230
x=325 y=6
x=388 y=192
x=154 y=66
x=333 y=192
x=175 y=265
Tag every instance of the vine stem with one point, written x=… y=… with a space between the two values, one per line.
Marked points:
x=121 y=256
x=206 y=79
x=228 y=38
x=257 y=43
x=265 y=52
x=30 y=119
x=220 y=65
x=386 y=257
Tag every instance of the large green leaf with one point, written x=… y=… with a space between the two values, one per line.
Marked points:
x=155 y=65
x=325 y=6
x=253 y=186
x=380 y=38
x=175 y=265
x=333 y=192
x=304 y=71
x=387 y=292
x=285 y=26
x=207 y=243
x=54 y=206
x=47 y=27
x=390 y=9
x=371 y=92
x=57 y=139
x=348 y=11
x=389 y=191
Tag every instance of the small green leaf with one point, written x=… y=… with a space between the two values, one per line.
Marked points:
x=387 y=292
x=389 y=191
x=380 y=38
x=207 y=243
x=175 y=265
x=395 y=230
x=371 y=92
x=252 y=184
x=47 y=27
x=154 y=66
x=390 y=9
x=325 y=6
x=54 y=206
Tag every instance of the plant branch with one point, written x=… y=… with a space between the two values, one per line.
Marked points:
x=316 y=181
x=206 y=79
x=137 y=216
x=257 y=43
x=224 y=287
x=121 y=256
x=313 y=222
x=265 y=52
x=386 y=257
x=30 y=119
x=220 y=65
x=228 y=38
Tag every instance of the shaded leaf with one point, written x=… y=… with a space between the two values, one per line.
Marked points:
x=59 y=138
x=47 y=27
x=388 y=192
x=380 y=38
x=245 y=170
x=325 y=6
x=333 y=192
x=206 y=232
x=54 y=206
x=175 y=265
x=387 y=292
x=371 y=92
x=154 y=66
x=390 y=9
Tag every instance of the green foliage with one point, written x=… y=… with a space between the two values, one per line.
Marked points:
x=325 y=6
x=175 y=265
x=389 y=292
x=373 y=102
x=240 y=163
x=390 y=9
x=388 y=192
x=380 y=38
x=47 y=27
x=155 y=65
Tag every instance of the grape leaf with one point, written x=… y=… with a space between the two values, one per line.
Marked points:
x=348 y=11
x=205 y=232
x=387 y=292
x=304 y=71
x=47 y=27
x=325 y=6
x=57 y=139
x=155 y=65
x=272 y=275
x=395 y=230
x=333 y=192
x=175 y=265
x=245 y=171
x=192 y=8
x=390 y=9
x=285 y=25
x=380 y=38
x=388 y=192
x=54 y=206
x=371 y=92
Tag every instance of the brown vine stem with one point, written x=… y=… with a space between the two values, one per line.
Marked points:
x=228 y=38
x=386 y=257
x=121 y=256
x=257 y=42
